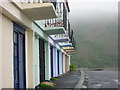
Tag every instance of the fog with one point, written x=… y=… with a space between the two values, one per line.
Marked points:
x=95 y=25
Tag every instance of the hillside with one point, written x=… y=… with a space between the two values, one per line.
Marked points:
x=97 y=42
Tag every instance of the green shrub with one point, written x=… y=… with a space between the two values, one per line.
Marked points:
x=53 y=78
x=54 y=84
x=47 y=86
x=73 y=68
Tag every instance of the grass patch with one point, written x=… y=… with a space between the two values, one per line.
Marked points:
x=47 y=85
x=53 y=79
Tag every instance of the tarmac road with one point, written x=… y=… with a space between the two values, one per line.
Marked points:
x=102 y=79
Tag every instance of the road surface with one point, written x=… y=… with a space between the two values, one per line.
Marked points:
x=102 y=79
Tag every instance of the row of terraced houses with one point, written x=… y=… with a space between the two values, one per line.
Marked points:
x=35 y=41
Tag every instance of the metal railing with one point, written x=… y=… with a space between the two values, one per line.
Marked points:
x=53 y=23
x=61 y=21
x=61 y=36
x=69 y=29
x=35 y=1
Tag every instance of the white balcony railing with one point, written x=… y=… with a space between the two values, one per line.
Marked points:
x=60 y=36
x=35 y=1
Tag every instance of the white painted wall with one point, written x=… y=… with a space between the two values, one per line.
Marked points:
x=47 y=61
x=0 y=51
x=69 y=62
x=36 y=61
x=15 y=14
x=29 y=59
x=7 y=53
x=54 y=62
x=63 y=63
x=54 y=69
x=60 y=62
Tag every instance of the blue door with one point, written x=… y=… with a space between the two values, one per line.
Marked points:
x=51 y=55
x=19 y=56
x=42 y=59
x=58 y=62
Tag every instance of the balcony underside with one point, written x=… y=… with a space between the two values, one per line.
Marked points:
x=66 y=45
x=54 y=30
x=68 y=48
x=64 y=39
x=39 y=11
x=70 y=51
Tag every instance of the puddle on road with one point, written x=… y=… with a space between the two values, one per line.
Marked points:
x=78 y=77
x=106 y=82
x=98 y=85
x=95 y=86
x=103 y=85
x=115 y=80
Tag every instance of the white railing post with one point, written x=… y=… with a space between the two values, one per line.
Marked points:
x=36 y=1
x=23 y=1
x=31 y=1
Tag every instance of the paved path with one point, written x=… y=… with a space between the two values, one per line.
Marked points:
x=102 y=79
x=69 y=80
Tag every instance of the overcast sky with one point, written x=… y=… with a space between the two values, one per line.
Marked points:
x=86 y=10
x=93 y=17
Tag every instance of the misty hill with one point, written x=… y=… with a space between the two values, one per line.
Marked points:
x=97 y=41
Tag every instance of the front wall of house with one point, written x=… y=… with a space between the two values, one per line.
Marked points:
x=7 y=53
x=60 y=62
x=63 y=63
x=0 y=51
x=47 y=61
x=15 y=14
x=66 y=63
x=31 y=49
x=36 y=61
x=54 y=62
x=69 y=62
x=29 y=58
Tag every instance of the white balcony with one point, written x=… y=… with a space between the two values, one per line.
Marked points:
x=63 y=39
x=39 y=11
x=68 y=48
x=65 y=44
x=60 y=38
x=54 y=30
x=70 y=51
